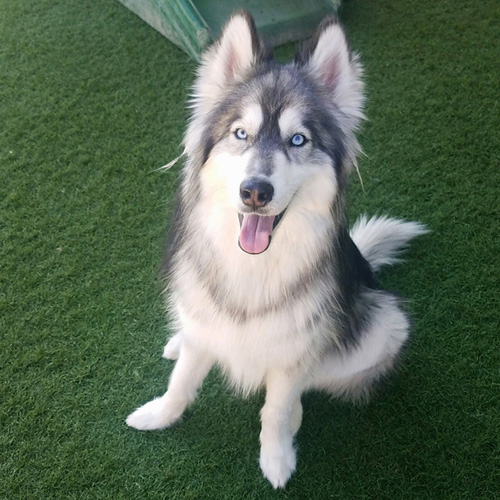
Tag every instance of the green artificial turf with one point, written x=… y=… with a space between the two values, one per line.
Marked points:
x=91 y=103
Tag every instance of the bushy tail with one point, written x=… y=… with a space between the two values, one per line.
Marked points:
x=381 y=239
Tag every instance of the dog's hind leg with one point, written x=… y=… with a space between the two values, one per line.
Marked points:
x=353 y=374
x=173 y=347
x=189 y=372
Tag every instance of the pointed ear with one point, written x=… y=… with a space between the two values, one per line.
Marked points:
x=236 y=51
x=329 y=61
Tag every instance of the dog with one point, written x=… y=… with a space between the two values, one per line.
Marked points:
x=264 y=277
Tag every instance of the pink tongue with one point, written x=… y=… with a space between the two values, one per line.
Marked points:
x=255 y=232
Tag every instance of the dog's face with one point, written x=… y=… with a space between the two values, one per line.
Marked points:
x=269 y=131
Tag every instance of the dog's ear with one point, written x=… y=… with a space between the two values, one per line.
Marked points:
x=229 y=59
x=326 y=56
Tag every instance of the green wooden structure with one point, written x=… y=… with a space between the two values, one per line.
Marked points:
x=191 y=24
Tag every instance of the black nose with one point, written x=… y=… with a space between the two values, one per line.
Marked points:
x=256 y=193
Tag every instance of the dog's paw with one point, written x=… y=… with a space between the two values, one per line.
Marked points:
x=173 y=348
x=278 y=465
x=157 y=414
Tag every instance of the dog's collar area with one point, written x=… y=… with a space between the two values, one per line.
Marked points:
x=256 y=231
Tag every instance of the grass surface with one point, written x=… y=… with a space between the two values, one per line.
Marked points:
x=91 y=102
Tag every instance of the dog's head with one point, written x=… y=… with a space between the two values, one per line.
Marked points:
x=262 y=133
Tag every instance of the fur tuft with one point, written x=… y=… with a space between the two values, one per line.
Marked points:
x=381 y=239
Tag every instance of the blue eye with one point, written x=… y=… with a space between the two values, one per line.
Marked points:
x=240 y=133
x=298 y=140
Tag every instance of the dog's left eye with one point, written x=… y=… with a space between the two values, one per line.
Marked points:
x=298 y=140
x=241 y=133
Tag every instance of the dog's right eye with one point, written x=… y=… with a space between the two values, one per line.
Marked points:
x=298 y=140
x=241 y=134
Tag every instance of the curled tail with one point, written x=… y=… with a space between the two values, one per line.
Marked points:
x=381 y=239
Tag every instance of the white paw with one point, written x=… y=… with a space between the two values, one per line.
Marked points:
x=278 y=465
x=173 y=348
x=157 y=414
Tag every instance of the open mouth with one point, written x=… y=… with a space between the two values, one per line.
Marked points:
x=256 y=231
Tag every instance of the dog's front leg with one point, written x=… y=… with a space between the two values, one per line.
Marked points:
x=280 y=417
x=189 y=372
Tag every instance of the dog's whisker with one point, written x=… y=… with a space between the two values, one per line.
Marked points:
x=170 y=164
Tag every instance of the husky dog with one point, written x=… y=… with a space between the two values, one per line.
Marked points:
x=264 y=278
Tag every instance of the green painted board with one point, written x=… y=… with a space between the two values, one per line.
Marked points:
x=192 y=24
